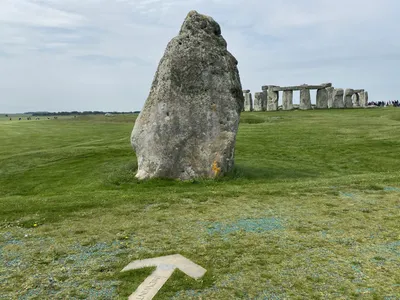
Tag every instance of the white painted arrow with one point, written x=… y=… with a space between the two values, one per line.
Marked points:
x=165 y=267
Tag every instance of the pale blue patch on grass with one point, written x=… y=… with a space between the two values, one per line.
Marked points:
x=16 y=262
x=31 y=294
x=84 y=254
x=394 y=247
x=267 y=295
x=365 y=290
x=349 y=195
x=104 y=290
x=391 y=189
x=247 y=225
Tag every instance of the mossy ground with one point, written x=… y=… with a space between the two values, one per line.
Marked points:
x=312 y=210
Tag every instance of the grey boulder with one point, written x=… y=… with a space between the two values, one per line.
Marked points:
x=187 y=127
x=260 y=101
x=347 y=101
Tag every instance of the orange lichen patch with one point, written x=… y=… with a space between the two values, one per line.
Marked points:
x=215 y=168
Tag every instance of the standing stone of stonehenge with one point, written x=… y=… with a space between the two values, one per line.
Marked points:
x=287 y=100
x=338 y=98
x=347 y=101
x=259 y=102
x=305 y=99
x=322 y=98
x=248 y=100
x=356 y=100
x=272 y=99
x=329 y=91
x=363 y=98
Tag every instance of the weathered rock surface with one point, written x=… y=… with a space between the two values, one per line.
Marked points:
x=187 y=127
x=338 y=98
x=248 y=101
x=322 y=98
x=347 y=102
x=329 y=91
x=362 y=99
x=356 y=100
x=301 y=87
x=305 y=99
x=260 y=102
x=287 y=100
x=272 y=99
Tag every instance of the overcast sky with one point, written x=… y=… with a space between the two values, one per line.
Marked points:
x=102 y=54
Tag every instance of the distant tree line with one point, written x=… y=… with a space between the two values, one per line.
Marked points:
x=77 y=113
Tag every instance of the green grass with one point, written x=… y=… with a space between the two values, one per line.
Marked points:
x=312 y=210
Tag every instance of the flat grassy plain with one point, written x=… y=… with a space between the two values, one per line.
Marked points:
x=312 y=210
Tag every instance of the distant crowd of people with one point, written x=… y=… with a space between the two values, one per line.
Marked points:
x=395 y=103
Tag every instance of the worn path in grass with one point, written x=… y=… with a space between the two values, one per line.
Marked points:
x=311 y=211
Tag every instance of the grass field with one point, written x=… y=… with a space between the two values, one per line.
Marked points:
x=312 y=210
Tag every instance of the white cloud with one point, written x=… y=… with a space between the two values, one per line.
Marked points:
x=34 y=13
x=102 y=54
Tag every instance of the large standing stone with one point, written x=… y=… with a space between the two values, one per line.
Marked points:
x=356 y=100
x=329 y=91
x=337 y=98
x=305 y=99
x=259 y=102
x=187 y=127
x=248 y=100
x=322 y=98
x=363 y=99
x=287 y=100
x=347 y=101
x=272 y=99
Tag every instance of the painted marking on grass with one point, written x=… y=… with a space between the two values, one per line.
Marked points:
x=166 y=265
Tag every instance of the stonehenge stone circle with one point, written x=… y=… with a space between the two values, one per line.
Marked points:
x=347 y=101
x=322 y=98
x=287 y=100
x=260 y=103
x=187 y=127
x=305 y=99
x=326 y=97
x=248 y=100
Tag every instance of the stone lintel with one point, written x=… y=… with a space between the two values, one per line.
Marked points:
x=301 y=87
x=246 y=91
x=359 y=91
x=265 y=87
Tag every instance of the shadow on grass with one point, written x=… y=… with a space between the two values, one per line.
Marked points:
x=124 y=176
